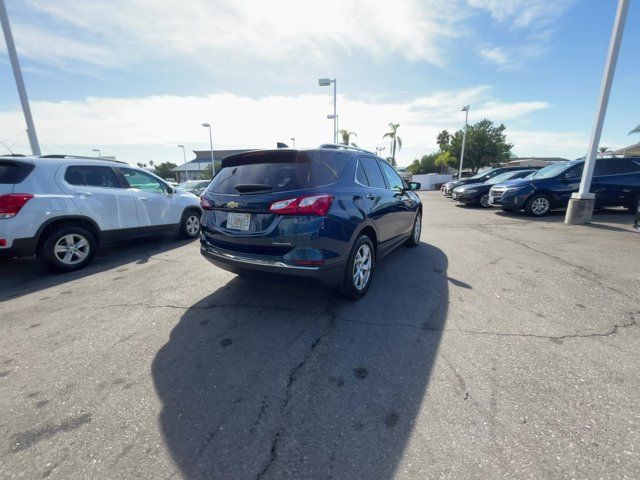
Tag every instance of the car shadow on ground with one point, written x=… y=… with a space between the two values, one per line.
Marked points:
x=263 y=379
x=21 y=276
x=616 y=216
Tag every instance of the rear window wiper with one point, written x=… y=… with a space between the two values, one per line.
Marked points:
x=252 y=187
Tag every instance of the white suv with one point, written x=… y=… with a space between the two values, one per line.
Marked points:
x=61 y=208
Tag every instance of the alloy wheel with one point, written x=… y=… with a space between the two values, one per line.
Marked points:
x=417 y=228
x=540 y=206
x=362 y=267
x=484 y=201
x=71 y=249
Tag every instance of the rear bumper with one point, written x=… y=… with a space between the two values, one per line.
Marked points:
x=234 y=262
x=20 y=247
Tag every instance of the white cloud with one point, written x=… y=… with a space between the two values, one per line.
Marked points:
x=162 y=122
x=528 y=14
x=276 y=30
x=497 y=55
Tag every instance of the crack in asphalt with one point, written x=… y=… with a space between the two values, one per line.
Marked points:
x=612 y=331
x=293 y=377
x=581 y=271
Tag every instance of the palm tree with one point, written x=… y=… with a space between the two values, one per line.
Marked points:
x=396 y=141
x=635 y=130
x=603 y=151
x=346 y=137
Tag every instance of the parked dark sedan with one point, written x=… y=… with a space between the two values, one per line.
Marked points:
x=481 y=177
x=616 y=182
x=329 y=214
x=478 y=193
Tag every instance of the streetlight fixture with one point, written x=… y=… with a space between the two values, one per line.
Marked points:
x=293 y=142
x=186 y=170
x=464 y=139
x=98 y=151
x=379 y=150
x=213 y=166
x=325 y=82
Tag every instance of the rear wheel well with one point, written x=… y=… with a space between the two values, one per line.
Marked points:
x=371 y=233
x=68 y=222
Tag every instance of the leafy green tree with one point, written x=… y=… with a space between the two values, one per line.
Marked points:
x=163 y=170
x=426 y=164
x=396 y=141
x=346 y=137
x=486 y=145
x=141 y=165
x=445 y=160
x=444 y=140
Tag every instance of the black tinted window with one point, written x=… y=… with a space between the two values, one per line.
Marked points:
x=14 y=172
x=259 y=172
x=361 y=177
x=574 y=172
x=91 y=176
x=374 y=175
x=393 y=179
x=616 y=166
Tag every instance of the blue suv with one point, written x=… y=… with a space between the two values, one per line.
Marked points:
x=328 y=214
x=616 y=183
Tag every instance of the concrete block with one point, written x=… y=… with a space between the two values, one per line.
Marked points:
x=580 y=211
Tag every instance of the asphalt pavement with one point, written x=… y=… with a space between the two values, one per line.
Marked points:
x=501 y=347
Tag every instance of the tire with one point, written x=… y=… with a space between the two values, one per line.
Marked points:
x=190 y=224
x=483 y=201
x=68 y=248
x=352 y=287
x=414 y=239
x=538 y=205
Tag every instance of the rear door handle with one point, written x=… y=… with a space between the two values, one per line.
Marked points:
x=86 y=194
x=370 y=196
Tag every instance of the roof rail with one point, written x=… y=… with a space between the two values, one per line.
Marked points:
x=81 y=157
x=339 y=146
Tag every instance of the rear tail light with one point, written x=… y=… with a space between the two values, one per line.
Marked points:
x=306 y=205
x=12 y=203
x=205 y=204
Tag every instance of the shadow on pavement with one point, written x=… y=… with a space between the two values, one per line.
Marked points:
x=616 y=216
x=269 y=380
x=21 y=276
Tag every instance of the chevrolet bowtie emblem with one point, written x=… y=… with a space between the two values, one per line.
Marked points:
x=233 y=205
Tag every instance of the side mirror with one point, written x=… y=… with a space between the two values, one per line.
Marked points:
x=171 y=190
x=414 y=186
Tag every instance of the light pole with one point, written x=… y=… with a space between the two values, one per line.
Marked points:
x=325 y=82
x=17 y=73
x=464 y=138
x=213 y=166
x=293 y=142
x=581 y=204
x=98 y=152
x=379 y=150
x=186 y=169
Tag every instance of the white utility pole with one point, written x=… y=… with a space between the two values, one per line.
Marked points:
x=213 y=165
x=325 y=82
x=17 y=73
x=581 y=204
x=186 y=169
x=464 y=139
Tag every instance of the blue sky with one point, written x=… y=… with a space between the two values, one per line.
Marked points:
x=135 y=78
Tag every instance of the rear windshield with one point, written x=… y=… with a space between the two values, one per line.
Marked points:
x=279 y=171
x=13 y=172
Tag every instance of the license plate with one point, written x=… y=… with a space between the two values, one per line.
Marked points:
x=238 y=221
